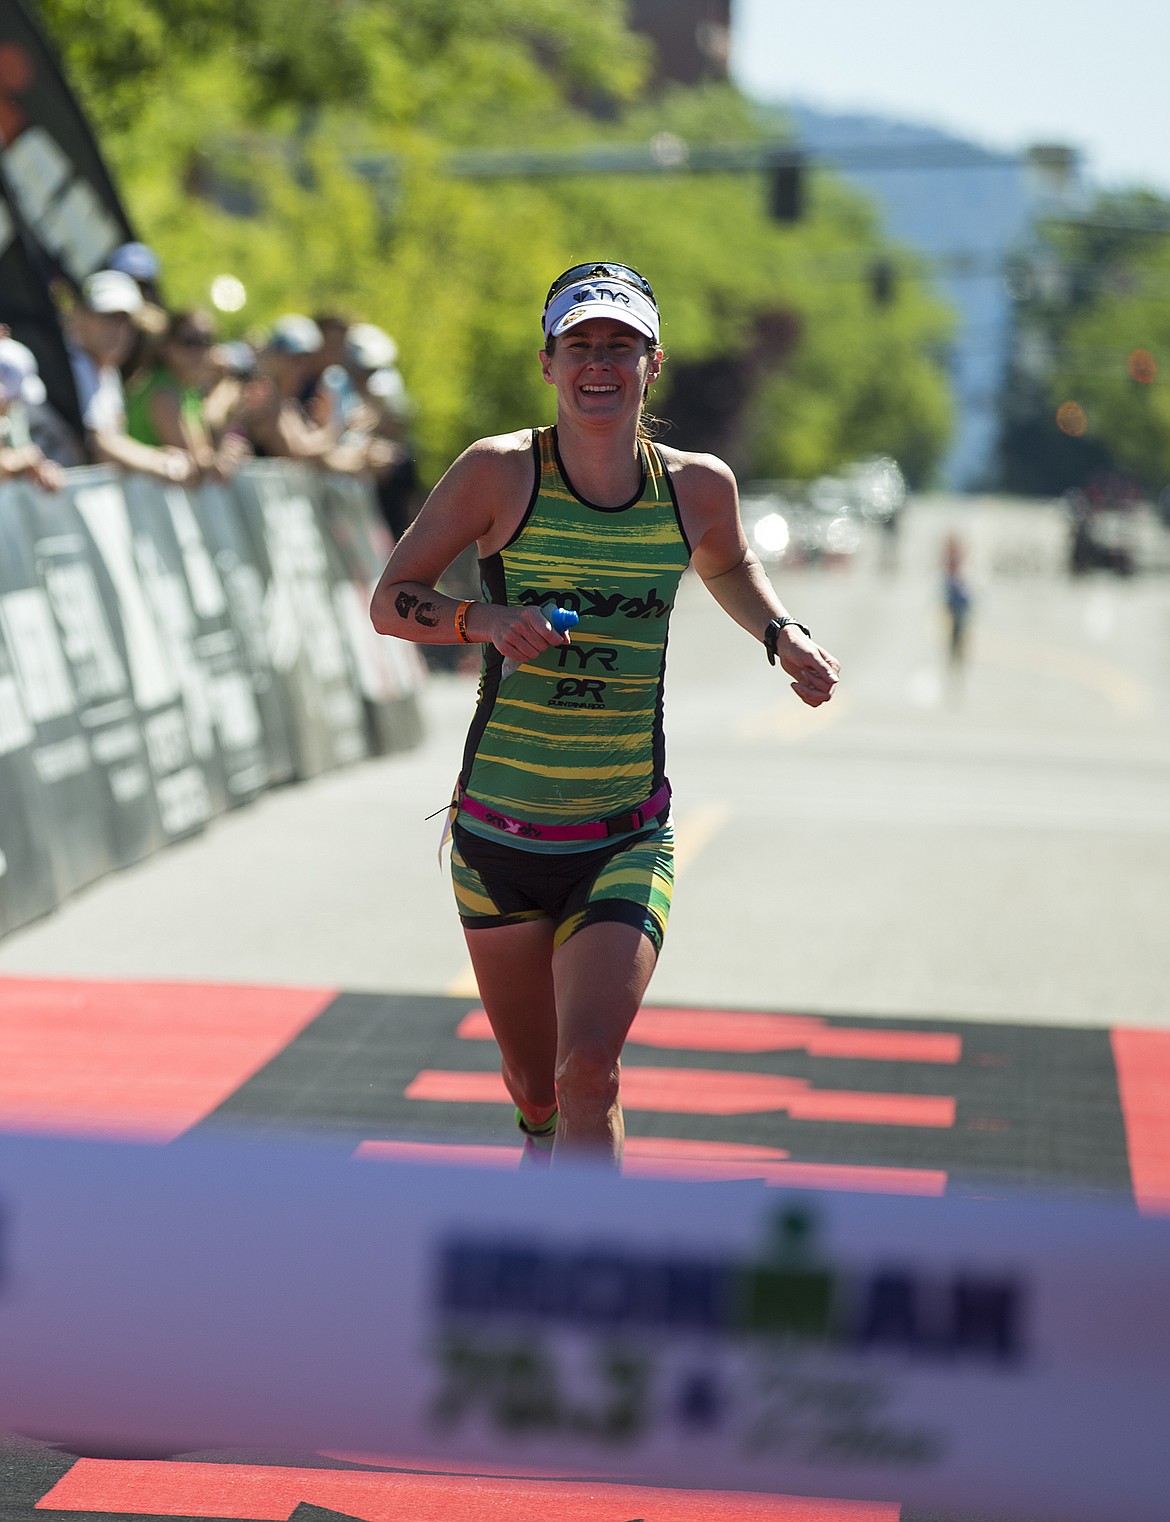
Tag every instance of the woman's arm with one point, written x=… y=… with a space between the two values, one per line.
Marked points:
x=732 y=573
x=27 y=462
x=167 y=463
x=481 y=487
x=166 y=414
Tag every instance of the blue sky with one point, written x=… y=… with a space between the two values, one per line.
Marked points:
x=1003 y=72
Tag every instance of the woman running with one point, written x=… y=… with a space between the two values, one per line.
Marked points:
x=562 y=853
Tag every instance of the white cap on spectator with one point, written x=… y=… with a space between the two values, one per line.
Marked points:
x=236 y=357
x=111 y=291
x=368 y=347
x=295 y=334
x=390 y=389
x=19 y=377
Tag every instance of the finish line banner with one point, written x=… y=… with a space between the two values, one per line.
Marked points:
x=1000 y=1358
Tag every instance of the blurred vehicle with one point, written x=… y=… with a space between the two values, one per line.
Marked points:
x=824 y=520
x=1114 y=527
x=1102 y=525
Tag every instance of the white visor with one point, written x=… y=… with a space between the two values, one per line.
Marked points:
x=601 y=298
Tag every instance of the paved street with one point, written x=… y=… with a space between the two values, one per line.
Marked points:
x=995 y=846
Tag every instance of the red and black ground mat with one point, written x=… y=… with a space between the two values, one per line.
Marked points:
x=812 y=1101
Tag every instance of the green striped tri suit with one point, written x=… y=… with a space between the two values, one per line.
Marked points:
x=576 y=734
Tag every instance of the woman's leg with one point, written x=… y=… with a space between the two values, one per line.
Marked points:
x=513 y=967
x=600 y=975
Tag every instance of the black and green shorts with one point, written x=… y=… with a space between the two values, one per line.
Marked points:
x=622 y=882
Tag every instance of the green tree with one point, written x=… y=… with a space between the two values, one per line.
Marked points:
x=1095 y=344
x=324 y=127
x=1113 y=358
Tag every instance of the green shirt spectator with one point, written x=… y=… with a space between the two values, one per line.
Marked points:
x=164 y=407
x=141 y=406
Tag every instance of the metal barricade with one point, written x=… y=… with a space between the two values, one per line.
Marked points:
x=167 y=653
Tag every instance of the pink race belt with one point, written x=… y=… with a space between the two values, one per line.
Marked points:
x=591 y=829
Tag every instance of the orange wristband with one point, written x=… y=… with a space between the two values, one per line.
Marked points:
x=461 y=623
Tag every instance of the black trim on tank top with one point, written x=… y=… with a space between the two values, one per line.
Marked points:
x=596 y=507
x=523 y=524
x=483 y=713
x=658 y=741
x=682 y=533
x=493 y=581
x=484 y=709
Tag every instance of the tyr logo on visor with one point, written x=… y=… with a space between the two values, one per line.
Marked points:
x=581 y=303
x=601 y=293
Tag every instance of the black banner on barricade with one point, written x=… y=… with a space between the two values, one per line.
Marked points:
x=229 y=542
x=27 y=884
x=388 y=671
x=78 y=835
x=180 y=785
x=305 y=643
x=127 y=811
x=63 y=215
x=164 y=580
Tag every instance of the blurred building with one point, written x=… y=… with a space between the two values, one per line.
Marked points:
x=692 y=37
x=969 y=219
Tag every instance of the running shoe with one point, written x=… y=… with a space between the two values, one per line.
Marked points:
x=538 y=1141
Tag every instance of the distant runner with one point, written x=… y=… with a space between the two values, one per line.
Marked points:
x=562 y=854
x=956 y=598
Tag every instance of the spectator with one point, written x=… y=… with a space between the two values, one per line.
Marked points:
x=381 y=406
x=34 y=418
x=277 y=422
x=143 y=266
x=276 y=418
x=22 y=389
x=233 y=369
x=371 y=355
x=101 y=334
x=330 y=392
x=165 y=405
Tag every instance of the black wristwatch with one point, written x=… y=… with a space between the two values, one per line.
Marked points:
x=772 y=631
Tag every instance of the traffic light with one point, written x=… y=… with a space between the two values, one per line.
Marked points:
x=786 y=191
x=883 y=282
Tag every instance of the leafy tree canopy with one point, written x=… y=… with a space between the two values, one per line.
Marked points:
x=300 y=144
x=1108 y=320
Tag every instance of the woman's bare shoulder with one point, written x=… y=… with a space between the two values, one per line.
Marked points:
x=493 y=467
x=485 y=490
x=702 y=476
x=499 y=451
